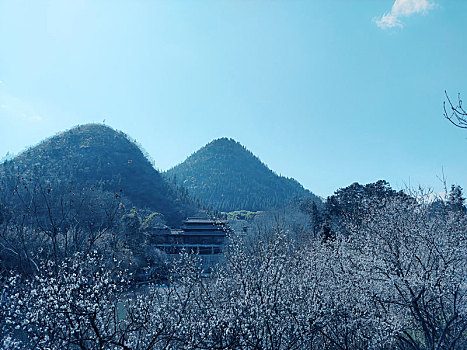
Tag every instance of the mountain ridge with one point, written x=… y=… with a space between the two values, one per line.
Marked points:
x=234 y=178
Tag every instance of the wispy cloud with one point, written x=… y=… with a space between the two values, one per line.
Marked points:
x=14 y=107
x=400 y=9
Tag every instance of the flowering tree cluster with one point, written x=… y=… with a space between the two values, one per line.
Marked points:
x=81 y=303
x=71 y=304
x=410 y=260
x=397 y=278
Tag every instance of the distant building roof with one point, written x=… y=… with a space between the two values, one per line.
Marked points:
x=199 y=220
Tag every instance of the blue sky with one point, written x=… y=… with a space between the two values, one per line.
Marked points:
x=327 y=92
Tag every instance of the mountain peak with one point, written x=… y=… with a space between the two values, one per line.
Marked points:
x=91 y=129
x=229 y=177
x=225 y=142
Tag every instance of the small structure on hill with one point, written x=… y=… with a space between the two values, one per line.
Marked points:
x=202 y=236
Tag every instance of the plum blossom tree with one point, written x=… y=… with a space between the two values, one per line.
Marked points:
x=396 y=279
x=70 y=305
x=81 y=304
x=412 y=261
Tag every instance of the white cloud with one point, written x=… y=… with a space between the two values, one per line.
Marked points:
x=403 y=8
x=35 y=117
x=14 y=107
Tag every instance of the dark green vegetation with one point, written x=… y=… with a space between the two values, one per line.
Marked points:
x=97 y=156
x=241 y=214
x=228 y=177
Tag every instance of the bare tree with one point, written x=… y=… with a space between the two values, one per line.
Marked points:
x=53 y=220
x=456 y=114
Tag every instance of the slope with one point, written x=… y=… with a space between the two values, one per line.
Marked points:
x=97 y=155
x=225 y=175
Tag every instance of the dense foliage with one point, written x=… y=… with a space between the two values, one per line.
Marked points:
x=228 y=177
x=96 y=155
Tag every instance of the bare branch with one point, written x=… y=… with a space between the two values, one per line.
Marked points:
x=455 y=113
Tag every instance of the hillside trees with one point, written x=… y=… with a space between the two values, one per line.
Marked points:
x=97 y=156
x=49 y=218
x=139 y=256
x=228 y=177
x=353 y=203
x=53 y=220
x=455 y=200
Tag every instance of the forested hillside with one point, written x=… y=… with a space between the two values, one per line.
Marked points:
x=97 y=156
x=229 y=177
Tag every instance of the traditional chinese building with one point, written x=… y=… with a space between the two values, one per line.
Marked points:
x=203 y=236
